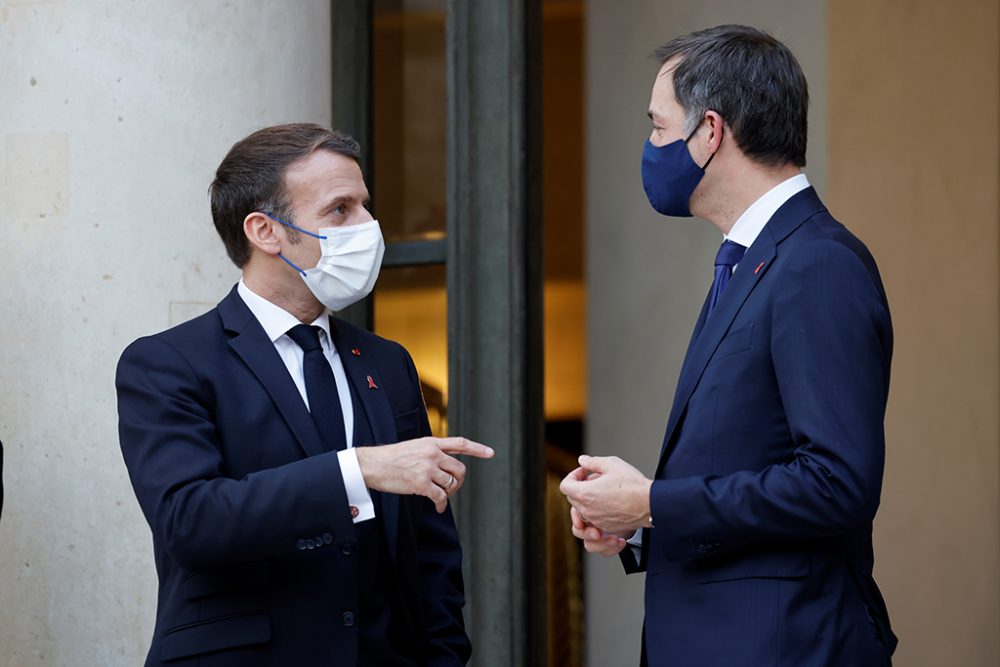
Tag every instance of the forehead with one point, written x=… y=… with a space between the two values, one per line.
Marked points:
x=661 y=100
x=323 y=174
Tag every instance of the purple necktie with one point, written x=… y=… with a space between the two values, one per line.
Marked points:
x=729 y=255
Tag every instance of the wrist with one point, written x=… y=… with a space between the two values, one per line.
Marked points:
x=365 y=465
x=647 y=516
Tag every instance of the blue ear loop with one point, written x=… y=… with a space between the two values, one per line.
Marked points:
x=298 y=229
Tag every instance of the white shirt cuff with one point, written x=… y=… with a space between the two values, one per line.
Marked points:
x=354 y=484
x=635 y=543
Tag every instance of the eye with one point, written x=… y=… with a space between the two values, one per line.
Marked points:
x=341 y=209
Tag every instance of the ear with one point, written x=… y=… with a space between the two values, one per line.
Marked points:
x=260 y=231
x=716 y=128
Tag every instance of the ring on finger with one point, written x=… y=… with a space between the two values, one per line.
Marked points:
x=451 y=481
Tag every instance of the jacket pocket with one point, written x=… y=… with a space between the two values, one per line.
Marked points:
x=226 y=579
x=216 y=634
x=766 y=565
x=738 y=341
x=408 y=424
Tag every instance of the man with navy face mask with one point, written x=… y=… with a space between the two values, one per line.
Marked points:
x=282 y=535
x=755 y=530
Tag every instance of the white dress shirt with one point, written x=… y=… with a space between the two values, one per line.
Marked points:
x=748 y=226
x=745 y=231
x=276 y=322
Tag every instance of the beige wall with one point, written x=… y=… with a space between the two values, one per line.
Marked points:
x=113 y=118
x=913 y=169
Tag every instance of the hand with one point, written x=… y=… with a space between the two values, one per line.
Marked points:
x=419 y=467
x=609 y=494
x=595 y=540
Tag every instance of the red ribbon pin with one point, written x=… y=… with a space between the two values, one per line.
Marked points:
x=759 y=267
x=356 y=352
x=371 y=383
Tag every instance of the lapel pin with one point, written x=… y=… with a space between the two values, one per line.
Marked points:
x=371 y=383
x=759 y=267
x=356 y=352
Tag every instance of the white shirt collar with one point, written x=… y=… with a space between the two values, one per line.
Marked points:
x=748 y=226
x=275 y=319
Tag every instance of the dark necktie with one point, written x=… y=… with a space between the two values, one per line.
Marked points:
x=321 y=388
x=729 y=255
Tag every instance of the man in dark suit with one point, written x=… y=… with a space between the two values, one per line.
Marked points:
x=279 y=537
x=755 y=532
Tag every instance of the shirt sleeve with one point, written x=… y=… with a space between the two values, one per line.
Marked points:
x=354 y=484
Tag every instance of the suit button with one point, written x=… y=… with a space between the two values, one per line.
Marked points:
x=318 y=541
x=310 y=544
x=327 y=538
x=300 y=545
x=702 y=548
x=347 y=549
x=348 y=619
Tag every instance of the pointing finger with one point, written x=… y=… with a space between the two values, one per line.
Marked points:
x=464 y=446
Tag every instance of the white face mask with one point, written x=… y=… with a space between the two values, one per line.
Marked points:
x=349 y=264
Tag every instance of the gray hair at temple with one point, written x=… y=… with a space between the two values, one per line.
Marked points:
x=750 y=79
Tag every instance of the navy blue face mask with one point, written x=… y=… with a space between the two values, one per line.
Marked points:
x=670 y=176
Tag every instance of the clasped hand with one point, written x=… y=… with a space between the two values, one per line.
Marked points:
x=609 y=501
x=420 y=467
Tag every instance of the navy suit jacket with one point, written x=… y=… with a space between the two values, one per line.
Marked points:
x=771 y=468
x=252 y=533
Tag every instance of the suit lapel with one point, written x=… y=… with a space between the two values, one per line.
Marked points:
x=715 y=326
x=367 y=384
x=257 y=351
x=751 y=270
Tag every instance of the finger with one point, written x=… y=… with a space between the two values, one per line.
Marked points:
x=464 y=446
x=602 y=548
x=594 y=464
x=614 y=550
x=436 y=495
x=456 y=470
x=576 y=519
x=605 y=547
x=613 y=541
x=444 y=479
x=592 y=533
x=454 y=467
x=570 y=487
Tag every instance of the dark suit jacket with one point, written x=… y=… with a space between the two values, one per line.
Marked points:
x=252 y=532
x=771 y=467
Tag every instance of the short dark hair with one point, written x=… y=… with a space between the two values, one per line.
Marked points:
x=252 y=177
x=750 y=79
